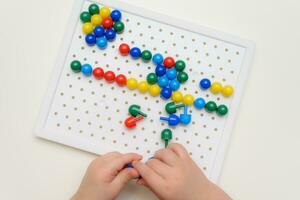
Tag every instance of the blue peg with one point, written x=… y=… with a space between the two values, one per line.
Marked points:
x=174 y=84
x=199 y=103
x=116 y=15
x=172 y=120
x=129 y=165
x=160 y=70
x=157 y=58
x=86 y=69
x=90 y=39
x=205 y=84
x=185 y=118
x=99 y=31
x=163 y=81
x=171 y=74
x=166 y=92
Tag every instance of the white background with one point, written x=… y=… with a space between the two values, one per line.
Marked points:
x=263 y=158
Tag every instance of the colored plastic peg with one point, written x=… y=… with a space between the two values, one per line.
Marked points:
x=129 y=165
x=166 y=92
x=134 y=110
x=166 y=135
x=116 y=15
x=172 y=120
x=185 y=118
x=131 y=121
x=172 y=107
x=160 y=70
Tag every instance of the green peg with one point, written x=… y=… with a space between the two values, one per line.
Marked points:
x=85 y=16
x=172 y=107
x=119 y=26
x=166 y=135
x=180 y=65
x=211 y=106
x=146 y=55
x=152 y=78
x=182 y=77
x=75 y=66
x=222 y=110
x=94 y=9
x=134 y=110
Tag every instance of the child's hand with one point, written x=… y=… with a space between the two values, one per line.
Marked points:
x=105 y=177
x=173 y=175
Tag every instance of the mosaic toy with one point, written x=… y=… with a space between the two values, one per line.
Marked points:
x=133 y=81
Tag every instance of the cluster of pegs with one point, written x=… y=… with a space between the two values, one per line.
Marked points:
x=173 y=119
x=135 y=115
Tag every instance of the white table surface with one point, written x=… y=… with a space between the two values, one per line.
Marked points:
x=263 y=159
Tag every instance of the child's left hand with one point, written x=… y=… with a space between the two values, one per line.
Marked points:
x=105 y=177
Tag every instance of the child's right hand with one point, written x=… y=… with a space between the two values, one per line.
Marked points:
x=173 y=175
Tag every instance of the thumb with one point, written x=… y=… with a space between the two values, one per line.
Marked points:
x=123 y=177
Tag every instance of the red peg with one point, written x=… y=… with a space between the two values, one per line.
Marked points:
x=124 y=49
x=109 y=76
x=130 y=122
x=107 y=23
x=169 y=62
x=121 y=79
x=98 y=72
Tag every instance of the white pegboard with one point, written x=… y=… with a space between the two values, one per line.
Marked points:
x=88 y=114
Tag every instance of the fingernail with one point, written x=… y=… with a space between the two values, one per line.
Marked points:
x=134 y=163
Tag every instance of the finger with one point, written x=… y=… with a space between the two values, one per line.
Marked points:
x=152 y=179
x=123 y=177
x=159 y=167
x=142 y=182
x=113 y=154
x=179 y=150
x=167 y=156
x=118 y=163
x=98 y=162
